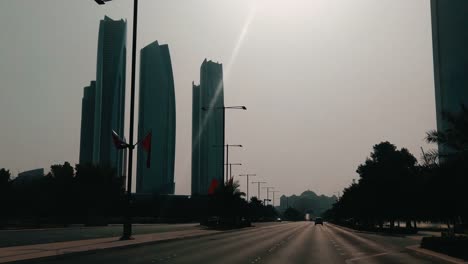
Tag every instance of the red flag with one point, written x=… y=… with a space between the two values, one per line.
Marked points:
x=146 y=144
x=119 y=143
x=214 y=184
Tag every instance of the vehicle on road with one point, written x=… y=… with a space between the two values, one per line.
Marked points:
x=318 y=221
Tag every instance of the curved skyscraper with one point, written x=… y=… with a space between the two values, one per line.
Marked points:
x=450 y=42
x=207 y=128
x=87 y=124
x=156 y=115
x=110 y=92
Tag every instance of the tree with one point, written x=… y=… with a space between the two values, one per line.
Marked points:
x=5 y=177
x=385 y=190
x=63 y=172
x=454 y=139
x=448 y=178
x=292 y=214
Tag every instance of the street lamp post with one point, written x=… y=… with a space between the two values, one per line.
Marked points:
x=127 y=230
x=248 y=175
x=227 y=156
x=258 y=184
x=274 y=197
x=230 y=167
x=268 y=192
x=206 y=108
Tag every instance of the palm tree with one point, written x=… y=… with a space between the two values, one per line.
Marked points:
x=453 y=149
x=228 y=202
x=454 y=139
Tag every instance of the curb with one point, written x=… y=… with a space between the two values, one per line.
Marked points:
x=433 y=254
x=371 y=232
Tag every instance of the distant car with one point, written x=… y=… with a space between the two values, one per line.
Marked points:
x=278 y=219
x=318 y=221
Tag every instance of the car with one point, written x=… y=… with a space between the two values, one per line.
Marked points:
x=278 y=219
x=318 y=221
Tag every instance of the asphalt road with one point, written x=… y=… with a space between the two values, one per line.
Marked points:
x=299 y=242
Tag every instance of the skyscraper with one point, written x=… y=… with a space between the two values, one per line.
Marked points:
x=87 y=124
x=450 y=42
x=207 y=128
x=156 y=115
x=109 y=92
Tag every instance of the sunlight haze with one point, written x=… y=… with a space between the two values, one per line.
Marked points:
x=323 y=81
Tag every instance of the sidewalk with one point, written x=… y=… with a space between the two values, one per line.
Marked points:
x=9 y=254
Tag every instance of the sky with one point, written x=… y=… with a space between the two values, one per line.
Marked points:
x=323 y=80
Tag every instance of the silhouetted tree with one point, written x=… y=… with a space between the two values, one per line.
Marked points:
x=385 y=190
x=5 y=177
x=292 y=214
x=5 y=194
x=448 y=176
x=455 y=138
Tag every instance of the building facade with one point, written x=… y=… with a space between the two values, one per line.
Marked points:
x=156 y=115
x=207 y=128
x=109 y=95
x=87 y=124
x=450 y=42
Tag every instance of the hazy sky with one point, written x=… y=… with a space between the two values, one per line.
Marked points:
x=323 y=80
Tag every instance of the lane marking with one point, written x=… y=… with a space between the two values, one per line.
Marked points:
x=367 y=257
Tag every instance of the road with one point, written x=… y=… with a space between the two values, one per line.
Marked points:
x=299 y=242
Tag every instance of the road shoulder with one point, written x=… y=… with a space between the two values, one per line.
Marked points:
x=417 y=249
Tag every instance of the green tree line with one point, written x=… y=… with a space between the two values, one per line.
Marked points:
x=392 y=186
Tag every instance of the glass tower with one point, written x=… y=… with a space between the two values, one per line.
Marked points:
x=207 y=128
x=450 y=42
x=109 y=105
x=156 y=115
x=87 y=124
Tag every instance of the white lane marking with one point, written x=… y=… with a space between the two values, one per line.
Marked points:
x=366 y=257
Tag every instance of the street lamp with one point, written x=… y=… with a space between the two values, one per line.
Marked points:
x=241 y=107
x=127 y=229
x=230 y=167
x=258 y=183
x=248 y=175
x=268 y=192
x=274 y=197
x=227 y=156
x=101 y=2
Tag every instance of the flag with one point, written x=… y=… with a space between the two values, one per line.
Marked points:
x=146 y=144
x=214 y=184
x=119 y=143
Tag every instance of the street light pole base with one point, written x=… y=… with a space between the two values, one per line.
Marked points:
x=125 y=237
